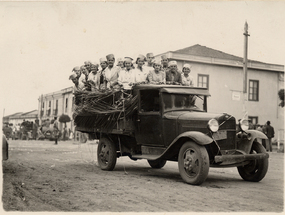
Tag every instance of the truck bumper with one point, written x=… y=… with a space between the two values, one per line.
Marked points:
x=240 y=158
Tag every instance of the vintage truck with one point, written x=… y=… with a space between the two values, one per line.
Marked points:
x=171 y=123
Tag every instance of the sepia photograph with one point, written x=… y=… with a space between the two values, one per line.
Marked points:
x=142 y=107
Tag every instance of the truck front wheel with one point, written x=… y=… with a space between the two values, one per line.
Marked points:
x=256 y=169
x=106 y=154
x=193 y=163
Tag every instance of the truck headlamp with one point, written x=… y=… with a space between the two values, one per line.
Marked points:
x=213 y=125
x=243 y=124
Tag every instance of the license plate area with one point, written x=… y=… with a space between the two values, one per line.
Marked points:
x=220 y=135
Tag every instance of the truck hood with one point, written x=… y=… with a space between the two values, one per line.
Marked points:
x=189 y=115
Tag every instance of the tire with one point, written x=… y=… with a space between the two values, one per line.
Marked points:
x=156 y=164
x=106 y=154
x=256 y=169
x=193 y=163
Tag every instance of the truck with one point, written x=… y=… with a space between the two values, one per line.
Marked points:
x=163 y=123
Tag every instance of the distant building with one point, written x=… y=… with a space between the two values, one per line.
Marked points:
x=222 y=74
x=56 y=104
x=18 y=118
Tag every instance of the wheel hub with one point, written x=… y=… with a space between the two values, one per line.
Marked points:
x=190 y=161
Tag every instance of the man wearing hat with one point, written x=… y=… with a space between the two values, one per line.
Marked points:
x=75 y=81
x=104 y=65
x=164 y=62
x=149 y=59
x=79 y=77
x=111 y=73
x=87 y=65
x=120 y=63
x=172 y=76
x=94 y=77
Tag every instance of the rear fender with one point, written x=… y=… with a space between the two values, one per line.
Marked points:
x=245 y=139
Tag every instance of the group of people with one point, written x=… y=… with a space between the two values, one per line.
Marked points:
x=127 y=73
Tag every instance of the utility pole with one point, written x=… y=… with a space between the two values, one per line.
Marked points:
x=246 y=35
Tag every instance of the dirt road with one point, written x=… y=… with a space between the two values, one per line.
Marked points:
x=40 y=176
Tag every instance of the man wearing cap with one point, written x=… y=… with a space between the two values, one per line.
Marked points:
x=150 y=60
x=140 y=71
x=173 y=76
x=164 y=62
x=187 y=80
x=111 y=73
x=85 y=73
x=87 y=65
x=120 y=63
x=79 y=77
x=126 y=76
x=74 y=79
x=104 y=65
x=94 y=77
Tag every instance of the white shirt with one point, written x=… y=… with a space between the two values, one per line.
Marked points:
x=126 y=77
x=111 y=75
x=187 y=81
x=141 y=75
x=95 y=79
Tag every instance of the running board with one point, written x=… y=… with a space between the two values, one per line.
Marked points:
x=148 y=157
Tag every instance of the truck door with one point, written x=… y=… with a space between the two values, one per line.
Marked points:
x=149 y=123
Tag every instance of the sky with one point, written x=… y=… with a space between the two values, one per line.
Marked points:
x=41 y=42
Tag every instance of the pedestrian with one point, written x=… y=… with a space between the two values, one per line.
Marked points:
x=156 y=76
x=270 y=134
x=55 y=130
x=172 y=76
x=187 y=80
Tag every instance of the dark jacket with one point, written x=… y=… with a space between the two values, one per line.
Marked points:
x=269 y=131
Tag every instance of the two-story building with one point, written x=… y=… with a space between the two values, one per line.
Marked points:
x=55 y=104
x=223 y=75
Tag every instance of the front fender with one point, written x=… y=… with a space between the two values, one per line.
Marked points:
x=198 y=137
x=245 y=139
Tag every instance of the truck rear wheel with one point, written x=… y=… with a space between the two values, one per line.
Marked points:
x=106 y=154
x=156 y=164
x=256 y=169
x=193 y=163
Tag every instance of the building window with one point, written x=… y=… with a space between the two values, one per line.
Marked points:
x=253 y=119
x=253 y=90
x=73 y=100
x=203 y=81
x=55 y=111
x=66 y=104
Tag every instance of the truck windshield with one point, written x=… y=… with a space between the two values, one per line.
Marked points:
x=182 y=101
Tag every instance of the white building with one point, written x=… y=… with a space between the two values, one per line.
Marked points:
x=222 y=74
x=55 y=104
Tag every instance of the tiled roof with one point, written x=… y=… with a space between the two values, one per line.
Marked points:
x=204 y=51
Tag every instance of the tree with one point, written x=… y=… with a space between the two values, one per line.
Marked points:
x=281 y=97
x=64 y=119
